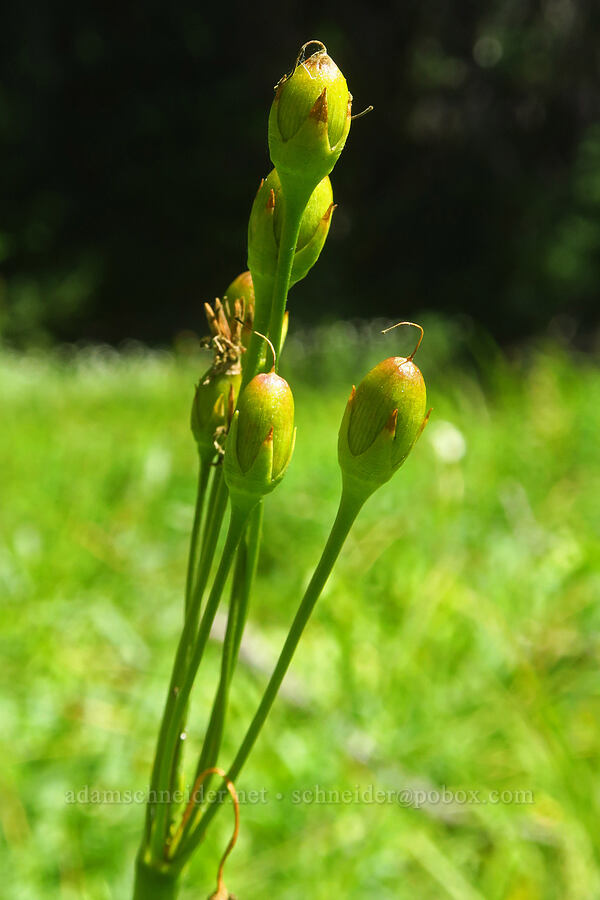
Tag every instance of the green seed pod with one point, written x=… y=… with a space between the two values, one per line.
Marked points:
x=213 y=407
x=309 y=121
x=239 y=299
x=241 y=288
x=261 y=439
x=384 y=417
x=264 y=229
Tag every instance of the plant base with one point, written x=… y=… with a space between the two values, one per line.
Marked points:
x=150 y=884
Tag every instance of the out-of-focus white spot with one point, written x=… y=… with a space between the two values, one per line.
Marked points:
x=157 y=466
x=361 y=746
x=487 y=51
x=447 y=441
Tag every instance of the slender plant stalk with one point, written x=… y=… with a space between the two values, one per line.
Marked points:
x=350 y=505
x=218 y=502
x=293 y=210
x=245 y=572
x=203 y=476
x=263 y=292
x=238 y=611
x=150 y=884
x=181 y=691
x=214 y=731
x=212 y=529
x=254 y=535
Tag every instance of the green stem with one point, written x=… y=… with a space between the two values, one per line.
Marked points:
x=245 y=572
x=203 y=474
x=263 y=292
x=212 y=529
x=350 y=505
x=151 y=884
x=293 y=210
x=218 y=501
x=252 y=550
x=214 y=731
x=238 y=611
x=181 y=692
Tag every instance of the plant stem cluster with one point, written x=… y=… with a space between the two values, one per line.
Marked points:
x=247 y=416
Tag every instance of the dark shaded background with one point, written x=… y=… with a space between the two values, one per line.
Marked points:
x=134 y=137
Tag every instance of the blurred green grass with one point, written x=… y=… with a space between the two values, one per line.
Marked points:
x=455 y=646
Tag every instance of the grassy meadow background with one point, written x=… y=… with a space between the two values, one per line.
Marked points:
x=456 y=645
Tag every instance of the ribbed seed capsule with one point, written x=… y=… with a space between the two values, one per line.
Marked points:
x=264 y=229
x=309 y=120
x=241 y=288
x=212 y=409
x=316 y=79
x=266 y=407
x=261 y=441
x=384 y=417
x=239 y=298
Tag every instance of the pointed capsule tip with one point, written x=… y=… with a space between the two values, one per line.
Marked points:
x=330 y=211
x=391 y=423
x=424 y=422
x=319 y=110
x=231 y=403
x=219 y=407
x=278 y=87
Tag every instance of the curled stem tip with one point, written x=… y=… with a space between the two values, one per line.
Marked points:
x=302 y=53
x=264 y=337
x=300 y=59
x=414 y=325
x=365 y=112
